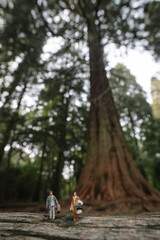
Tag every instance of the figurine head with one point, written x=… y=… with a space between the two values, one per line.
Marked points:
x=75 y=194
x=51 y=193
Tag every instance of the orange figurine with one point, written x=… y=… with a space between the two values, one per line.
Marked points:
x=73 y=207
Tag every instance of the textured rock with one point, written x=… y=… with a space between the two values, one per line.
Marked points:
x=30 y=226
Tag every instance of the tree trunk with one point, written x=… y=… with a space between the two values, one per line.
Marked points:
x=4 y=186
x=11 y=125
x=110 y=172
x=39 y=182
x=57 y=177
x=48 y=180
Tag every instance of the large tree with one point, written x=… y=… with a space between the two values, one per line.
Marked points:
x=110 y=172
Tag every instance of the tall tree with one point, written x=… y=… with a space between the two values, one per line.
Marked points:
x=21 y=39
x=152 y=25
x=110 y=172
x=155 y=92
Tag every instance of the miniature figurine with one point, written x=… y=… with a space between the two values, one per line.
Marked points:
x=76 y=206
x=51 y=204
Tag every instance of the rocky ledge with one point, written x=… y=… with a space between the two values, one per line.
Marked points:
x=36 y=226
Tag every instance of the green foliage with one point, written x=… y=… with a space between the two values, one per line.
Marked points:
x=20 y=183
x=152 y=25
x=151 y=144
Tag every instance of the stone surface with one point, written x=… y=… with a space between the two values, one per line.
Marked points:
x=36 y=226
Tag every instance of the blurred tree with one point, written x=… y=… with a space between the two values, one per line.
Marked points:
x=130 y=100
x=155 y=92
x=152 y=26
x=61 y=92
x=21 y=44
x=150 y=136
x=39 y=130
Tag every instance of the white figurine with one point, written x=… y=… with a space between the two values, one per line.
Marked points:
x=51 y=204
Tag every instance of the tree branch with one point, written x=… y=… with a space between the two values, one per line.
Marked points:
x=43 y=19
x=98 y=5
x=83 y=12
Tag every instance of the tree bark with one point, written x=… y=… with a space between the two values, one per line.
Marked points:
x=110 y=172
x=39 y=182
x=57 y=177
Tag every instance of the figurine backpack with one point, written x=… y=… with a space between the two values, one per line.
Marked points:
x=79 y=206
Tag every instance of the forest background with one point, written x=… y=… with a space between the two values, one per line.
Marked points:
x=45 y=98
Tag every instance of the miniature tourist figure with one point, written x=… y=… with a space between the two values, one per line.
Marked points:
x=76 y=206
x=51 y=204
